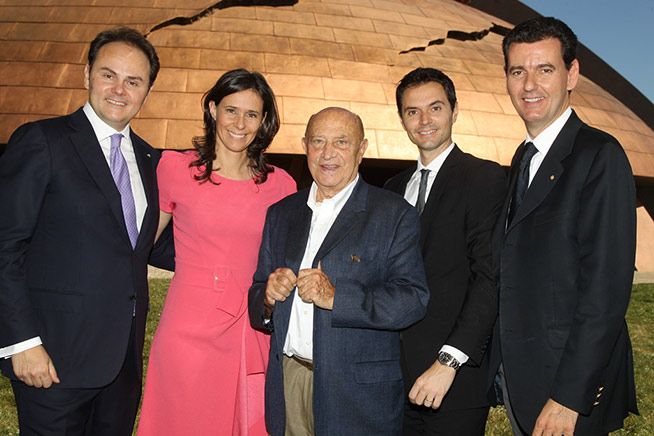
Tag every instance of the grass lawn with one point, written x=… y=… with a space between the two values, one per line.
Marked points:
x=640 y=319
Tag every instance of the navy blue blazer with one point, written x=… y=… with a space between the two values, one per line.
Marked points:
x=69 y=272
x=372 y=257
x=564 y=267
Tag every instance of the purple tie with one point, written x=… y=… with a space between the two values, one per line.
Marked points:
x=120 y=173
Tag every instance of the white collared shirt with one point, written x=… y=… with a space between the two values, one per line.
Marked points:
x=411 y=195
x=299 y=339
x=543 y=142
x=413 y=186
x=103 y=132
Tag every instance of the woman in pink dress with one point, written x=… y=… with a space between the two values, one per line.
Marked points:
x=207 y=365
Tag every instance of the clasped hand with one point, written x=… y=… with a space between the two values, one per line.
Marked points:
x=313 y=286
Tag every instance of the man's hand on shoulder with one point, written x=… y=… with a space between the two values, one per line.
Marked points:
x=313 y=286
x=555 y=419
x=430 y=388
x=34 y=367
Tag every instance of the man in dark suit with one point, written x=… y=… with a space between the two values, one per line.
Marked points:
x=80 y=204
x=339 y=275
x=563 y=252
x=459 y=197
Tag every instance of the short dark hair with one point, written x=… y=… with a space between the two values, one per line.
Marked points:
x=128 y=36
x=420 y=76
x=230 y=83
x=538 y=29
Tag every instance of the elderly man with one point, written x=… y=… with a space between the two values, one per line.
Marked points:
x=563 y=250
x=80 y=203
x=339 y=275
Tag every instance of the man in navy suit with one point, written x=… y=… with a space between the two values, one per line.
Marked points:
x=339 y=275
x=74 y=251
x=563 y=252
x=459 y=197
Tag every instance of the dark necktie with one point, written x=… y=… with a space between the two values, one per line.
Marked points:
x=523 y=180
x=422 y=191
x=120 y=173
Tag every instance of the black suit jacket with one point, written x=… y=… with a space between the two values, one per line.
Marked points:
x=455 y=241
x=564 y=269
x=69 y=273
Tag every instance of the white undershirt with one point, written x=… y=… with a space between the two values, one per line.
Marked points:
x=299 y=339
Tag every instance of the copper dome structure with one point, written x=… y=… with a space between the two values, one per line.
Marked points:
x=314 y=54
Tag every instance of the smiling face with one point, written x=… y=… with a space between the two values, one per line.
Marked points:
x=334 y=145
x=118 y=83
x=538 y=82
x=428 y=118
x=238 y=118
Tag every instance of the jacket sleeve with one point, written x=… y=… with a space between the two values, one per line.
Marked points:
x=474 y=324
x=606 y=243
x=257 y=291
x=395 y=301
x=25 y=169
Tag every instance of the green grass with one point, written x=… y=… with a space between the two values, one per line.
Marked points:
x=640 y=318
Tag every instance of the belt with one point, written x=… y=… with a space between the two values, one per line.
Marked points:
x=308 y=364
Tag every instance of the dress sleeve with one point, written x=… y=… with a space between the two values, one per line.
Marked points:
x=287 y=182
x=166 y=179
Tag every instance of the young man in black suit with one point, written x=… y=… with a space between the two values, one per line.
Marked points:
x=563 y=252
x=458 y=196
x=80 y=202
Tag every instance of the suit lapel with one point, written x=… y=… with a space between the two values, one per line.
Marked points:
x=299 y=224
x=90 y=152
x=549 y=172
x=146 y=170
x=348 y=218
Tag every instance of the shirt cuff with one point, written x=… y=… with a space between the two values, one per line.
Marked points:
x=7 y=352
x=456 y=353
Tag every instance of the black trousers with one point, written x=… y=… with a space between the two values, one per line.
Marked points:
x=423 y=421
x=106 y=411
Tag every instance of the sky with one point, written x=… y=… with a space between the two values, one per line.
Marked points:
x=621 y=32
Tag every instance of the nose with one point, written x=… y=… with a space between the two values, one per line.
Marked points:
x=240 y=121
x=530 y=82
x=328 y=150
x=119 y=88
x=424 y=118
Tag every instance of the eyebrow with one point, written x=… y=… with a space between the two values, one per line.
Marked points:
x=116 y=74
x=429 y=105
x=539 y=66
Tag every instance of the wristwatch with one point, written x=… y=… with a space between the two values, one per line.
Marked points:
x=448 y=360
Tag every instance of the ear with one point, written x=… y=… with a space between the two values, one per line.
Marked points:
x=212 y=109
x=573 y=75
x=455 y=112
x=362 y=149
x=399 y=114
x=87 y=79
x=304 y=145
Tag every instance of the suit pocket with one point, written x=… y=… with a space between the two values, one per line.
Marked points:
x=557 y=336
x=61 y=301
x=377 y=372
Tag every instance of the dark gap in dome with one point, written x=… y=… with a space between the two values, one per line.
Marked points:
x=462 y=36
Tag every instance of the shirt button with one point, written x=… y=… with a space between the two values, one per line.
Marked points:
x=308 y=343
x=305 y=312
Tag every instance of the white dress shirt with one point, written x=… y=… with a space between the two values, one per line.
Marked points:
x=543 y=142
x=103 y=132
x=299 y=339
x=411 y=195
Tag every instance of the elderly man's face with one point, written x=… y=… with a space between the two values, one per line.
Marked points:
x=334 y=145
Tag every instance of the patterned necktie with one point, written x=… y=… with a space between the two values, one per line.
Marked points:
x=120 y=173
x=523 y=180
x=422 y=191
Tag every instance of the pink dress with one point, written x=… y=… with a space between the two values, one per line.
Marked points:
x=207 y=365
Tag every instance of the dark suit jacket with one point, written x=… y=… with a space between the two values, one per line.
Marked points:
x=455 y=231
x=358 y=387
x=564 y=269
x=69 y=273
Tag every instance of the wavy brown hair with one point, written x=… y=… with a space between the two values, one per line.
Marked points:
x=229 y=83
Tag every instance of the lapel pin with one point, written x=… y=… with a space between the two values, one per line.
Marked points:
x=552 y=177
x=148 y=154
x=355 y=258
